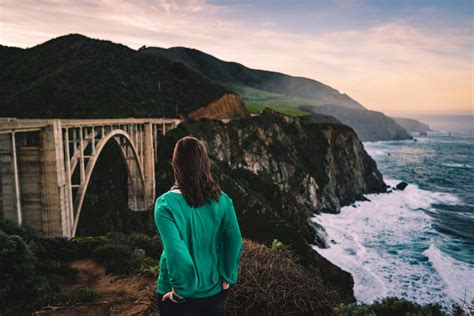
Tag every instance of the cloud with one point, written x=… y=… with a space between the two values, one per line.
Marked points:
x=384 y=65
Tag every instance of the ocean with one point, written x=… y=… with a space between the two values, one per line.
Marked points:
x=417 y=243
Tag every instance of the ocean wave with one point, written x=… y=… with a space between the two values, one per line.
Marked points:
x=387 y=245
x=458 y=165
x=451 y=272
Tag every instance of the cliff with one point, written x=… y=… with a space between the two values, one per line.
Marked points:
x=280 y=170
x=412 y=125
x=369 y=125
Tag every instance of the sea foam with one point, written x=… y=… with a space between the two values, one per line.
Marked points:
x=391 y=248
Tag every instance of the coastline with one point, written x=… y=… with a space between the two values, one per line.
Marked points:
x=391 y=246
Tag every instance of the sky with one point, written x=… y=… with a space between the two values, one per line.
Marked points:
x=399 y=57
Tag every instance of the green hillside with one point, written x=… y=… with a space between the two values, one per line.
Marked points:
x=293 y=96
x=256 y=100
x=258 y=88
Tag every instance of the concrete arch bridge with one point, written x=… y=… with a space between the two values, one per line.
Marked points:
x=46 y=166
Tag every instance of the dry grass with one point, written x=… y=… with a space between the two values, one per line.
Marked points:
x=271 y=282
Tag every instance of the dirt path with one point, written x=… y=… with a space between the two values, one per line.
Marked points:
x=119 y=296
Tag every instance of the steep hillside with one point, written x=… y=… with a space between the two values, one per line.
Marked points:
x=412 y=125
x=369 y=125
x=279 y=171
x=231 y=73
x=77 y=77
x=293 y=96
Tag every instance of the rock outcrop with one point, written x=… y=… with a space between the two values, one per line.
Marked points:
x=280 y=170
x=230 y=105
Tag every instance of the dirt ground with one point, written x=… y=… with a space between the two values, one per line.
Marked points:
x=119 y=296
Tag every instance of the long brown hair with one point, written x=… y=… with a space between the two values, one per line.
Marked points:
x=192 y=172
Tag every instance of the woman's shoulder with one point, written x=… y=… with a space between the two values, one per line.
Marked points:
x=165 y=198
x=224 y=197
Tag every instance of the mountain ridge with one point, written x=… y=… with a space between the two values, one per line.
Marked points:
x=286 y=94
x=270 y=81
x=74 y=76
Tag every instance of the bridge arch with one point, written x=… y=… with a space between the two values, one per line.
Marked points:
x=60 y=156
x=135 y=173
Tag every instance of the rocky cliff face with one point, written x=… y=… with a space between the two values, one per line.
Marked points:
x=279 y=171
x=230 y=105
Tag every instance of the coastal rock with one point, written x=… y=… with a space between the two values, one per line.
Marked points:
x=279 y=171
x=229 y=105
x=402 y=185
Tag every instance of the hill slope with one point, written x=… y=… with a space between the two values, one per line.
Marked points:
x=294 y=96
x=75 y=76
x=412 y=125
x=233 y=74
x=369 y=125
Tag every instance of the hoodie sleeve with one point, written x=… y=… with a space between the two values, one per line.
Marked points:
x=181 y=268
x=230 y=247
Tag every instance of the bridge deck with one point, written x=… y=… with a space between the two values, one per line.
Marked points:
x=7 y=124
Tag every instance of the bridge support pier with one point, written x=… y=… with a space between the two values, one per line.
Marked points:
x=55 y=198
x=10 y=205
x=149 y=164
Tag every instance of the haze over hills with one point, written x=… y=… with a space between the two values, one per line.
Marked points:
x=369 y=125
x=412 y=125
x=234 y=74
x=287 y=94
x=75 y=76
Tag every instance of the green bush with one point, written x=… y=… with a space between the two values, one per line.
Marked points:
x=17 y=267
x=49 y=266
x=116 y=259
x=45 y=293
x=151 y=245
x=120 y=259
x=84 y=246
x=11 y=228
x=84 y=295
x=393 y=306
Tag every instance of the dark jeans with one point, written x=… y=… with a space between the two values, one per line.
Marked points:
x=207 y=306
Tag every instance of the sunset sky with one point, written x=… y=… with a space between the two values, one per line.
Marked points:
x=399 y=57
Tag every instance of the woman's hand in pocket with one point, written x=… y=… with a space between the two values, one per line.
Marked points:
x=225 y=285
x=170 y=295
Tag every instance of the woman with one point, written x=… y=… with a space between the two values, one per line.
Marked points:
x=201 y=238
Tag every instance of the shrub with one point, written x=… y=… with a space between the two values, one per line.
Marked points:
x=45 y=293
x=271 y=282
x=84 y=246
x=49 y=266
x=11 y=228
x=55 y=248
x=17 y=267
x=117 y=259
x=84 y=295
x=390 y=306
x=151 y=245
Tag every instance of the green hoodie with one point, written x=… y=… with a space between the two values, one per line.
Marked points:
x=201 y=245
